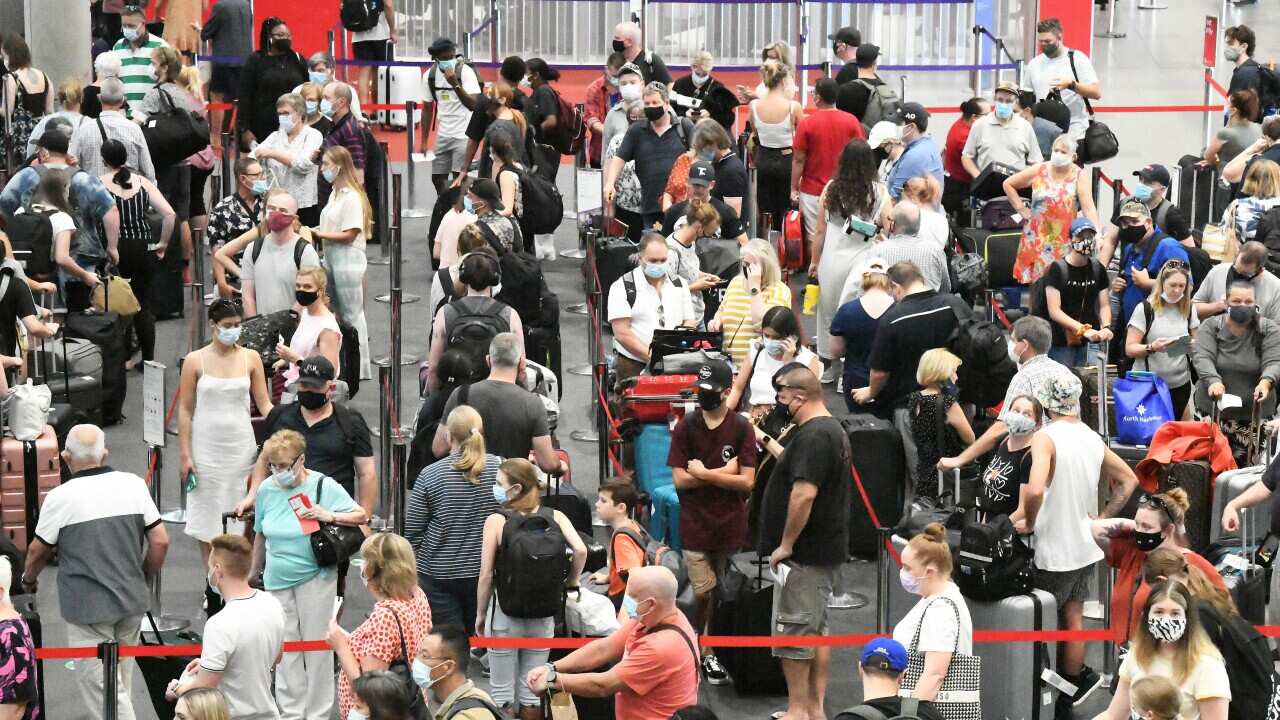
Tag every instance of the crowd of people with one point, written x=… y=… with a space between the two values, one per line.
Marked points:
x=487 y=549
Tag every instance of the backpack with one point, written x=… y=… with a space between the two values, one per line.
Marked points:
x=994 y=562
x=1268 y=91
x=299 y=247
x=523 y=285
x=446 y=282
x=349 y=356
x=532 y=565
x=471 y=324
x=474 y=703
x=567 y=136
x=629 y=286
x=31 y=232
x=431 y=75
x=986 y=369
x=1267 y=232
x=658 y=554
x=360 y=15
x=542 y=207
x=882 y=103
x=909 y=710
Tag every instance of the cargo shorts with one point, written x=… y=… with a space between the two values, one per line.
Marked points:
x=800 y=606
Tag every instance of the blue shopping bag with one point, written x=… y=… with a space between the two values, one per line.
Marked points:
x=1143 y=404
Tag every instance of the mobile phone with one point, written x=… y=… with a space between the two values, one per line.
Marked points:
x=337 y=606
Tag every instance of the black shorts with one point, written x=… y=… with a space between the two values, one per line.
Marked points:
x=371 y=50
x=196 y=197
x=225 y=79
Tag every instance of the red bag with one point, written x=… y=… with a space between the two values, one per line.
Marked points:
x=791 y=242
x=657 y=398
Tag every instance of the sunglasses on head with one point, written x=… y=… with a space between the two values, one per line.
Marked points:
x=1155 y=502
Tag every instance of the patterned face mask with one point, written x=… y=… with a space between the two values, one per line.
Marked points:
x=1167 y=629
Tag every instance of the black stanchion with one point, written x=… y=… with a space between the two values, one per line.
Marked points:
x=385 y=222
x=600 y=378
x=589 y=274
x=109 y=654
x=230 y=148
x=882 y=579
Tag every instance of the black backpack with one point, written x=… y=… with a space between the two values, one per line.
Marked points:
x=986 y=369
x=31 y=234
x=523 y=286
x=474 y=703
x=908 y=711
x=532 y=565
x=1268 y=233
x=1268 y=91
x=349 y=356
x=994 y=562
x=470 y=324
x=360 y=15
x=299 y=247
x=542 y=207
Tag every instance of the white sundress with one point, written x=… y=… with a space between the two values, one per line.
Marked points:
x=840 y=254
x=223 y=449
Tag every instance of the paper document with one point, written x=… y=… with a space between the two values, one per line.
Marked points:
x=1229 y=401
x=1180 y=346
x=780 y=575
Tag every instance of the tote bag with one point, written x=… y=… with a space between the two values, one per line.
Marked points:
x=959 y=698
x=1143 y=404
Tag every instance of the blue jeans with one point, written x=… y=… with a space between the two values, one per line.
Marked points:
x=453 y=602
x=1079 y=356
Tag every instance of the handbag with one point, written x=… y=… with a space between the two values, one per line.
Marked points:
x=1221 y=240
x=559 y=706
x=334 y=544
x=174 y=134
x=115 y=294
x=1143 y=404
x=959 y=697
x=1098 y=143
x=28 y=409
x=401 y=667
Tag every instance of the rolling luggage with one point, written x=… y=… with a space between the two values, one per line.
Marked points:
x=1199 y=194
x=563 y=496
x=160 y=670
x=999 y=249
x=1228 y=486
x=658 y=398
x=106 y=330
x=82 y=356
x=1012 y=682
x=28 y=471
x=167 y=297
x=1248 y=582
x=81 y=393
x=664 y=516
x=1196 y=478
x=881 y=467
x=744 y=606
x=651 y=448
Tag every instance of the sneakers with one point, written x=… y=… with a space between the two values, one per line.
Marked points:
x=1086 y=682
x=833 y=371
x=714 y=671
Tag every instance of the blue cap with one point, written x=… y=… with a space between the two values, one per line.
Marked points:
x=885 y=654
x=1082 y=223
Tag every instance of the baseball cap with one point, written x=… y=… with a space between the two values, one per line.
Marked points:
x=630 y=69
x=847 y=35
x=881 y=131
x=1009 y=87
x=876 y=265
x=913 y=113
x=487 y=190
x=1135 y=209
x=1154 y=173
x=884 y=654
x=702 y=173
x=314 y=372
x=1082 y=223
x=867 y=54
x=714 y=375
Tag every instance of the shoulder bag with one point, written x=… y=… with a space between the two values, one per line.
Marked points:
x=402 y=667
x=334 y=544
x=1098 y=143
x=174 y=134
x=959 y=697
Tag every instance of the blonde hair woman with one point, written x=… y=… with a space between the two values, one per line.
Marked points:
x=318 y=332
x=854 y=325
x=749 y=296
x=934 y=438
x=345 y=225
x=1167 y=315
x=508 y=121
x=445 y=519
x=287 y=156
x=1259 y=193
x=399 y=622
x=69 y=98
x=774 y=117
x=304 y=682
x=202 y=704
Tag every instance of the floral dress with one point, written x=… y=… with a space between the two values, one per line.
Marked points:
x=18 y=667
x=1054 y=205
x=678 y=180
x=379 y=637
x=627 y=190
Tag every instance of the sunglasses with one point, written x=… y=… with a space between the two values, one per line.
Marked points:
x=1156 y=503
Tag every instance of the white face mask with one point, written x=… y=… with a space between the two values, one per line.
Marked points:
x=630 y=92
x=1060 y=159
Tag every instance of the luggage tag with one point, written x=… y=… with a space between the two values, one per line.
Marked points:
x=299 y=503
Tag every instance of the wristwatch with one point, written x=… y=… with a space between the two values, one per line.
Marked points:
x=551 y=675
x=1072 y=86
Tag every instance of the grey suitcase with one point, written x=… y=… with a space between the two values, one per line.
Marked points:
x=1229 y=485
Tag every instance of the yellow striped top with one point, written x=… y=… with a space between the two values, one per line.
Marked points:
x=735 y=316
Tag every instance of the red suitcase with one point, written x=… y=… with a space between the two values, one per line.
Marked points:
x=28 y=471
x=659 y=398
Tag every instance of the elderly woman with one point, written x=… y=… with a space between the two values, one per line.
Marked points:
x=106 y=65
x=304 y=681
x=19 y=690
x=627 y=203
x=289 y=156
x=398 y=624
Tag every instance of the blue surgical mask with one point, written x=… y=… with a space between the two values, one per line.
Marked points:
x=131 y=34
x=318 y=78
x=699 y=79
x=1142 y=192
x=950 y=388
x=447 y=65
x=1004 y=111
x=229 y=336
x=260 y=187
x=707 y=155
x=630 y=606
x=212 y=585
x=422 y=674
x=286 y=123
x=330 y=174
x=499 y=494
x=285 y=479
x=655 y=270
x=326 y=107
x=773 y=347
x=354 y=714
x=468 y=206
x=312 y=107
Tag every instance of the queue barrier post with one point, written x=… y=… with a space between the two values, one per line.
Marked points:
x=201 y=334
x=155 y=461
x=599 y=378
x=383 y=227
x=1207 y=128
x=383 y=431
x=975 y=78
x=109 y=654
x=396 y=297
x=592 y=434
x=227 y=150
x=493 y=32
x=589 y=236
x=1110 y=32
x=398 y=483
x=882 y=579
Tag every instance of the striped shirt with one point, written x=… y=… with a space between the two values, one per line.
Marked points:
x=445 y=518
x=927 y=256
x=135 y=66
x=735 y=315
x=86 y=143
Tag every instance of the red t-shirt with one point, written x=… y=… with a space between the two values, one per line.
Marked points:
x=713 y=518
x=821 y=136
x=658 y=670
x=956 y=138
x=1131 y=591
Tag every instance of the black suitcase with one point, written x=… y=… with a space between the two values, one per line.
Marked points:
x=81 y=395
x=597 y=554
x=568 y=500
x=613 y=259
x=158 y=672
x=999 y=249
x=107 y=331
x=542 y=345
x=744 y=607
x=1198 y=194
x=1196 y=478
x=167 y=296
x=880 y=465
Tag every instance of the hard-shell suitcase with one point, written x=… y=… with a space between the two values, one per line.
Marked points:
x=1248 y=582
x=159 y=671
x=880 y=464
x=744 y=607
x=563 y=496
x=51 y=357
x=658 y=398
x=1230 y=485
x=82 y=393
x=1196 y=478
x=664 y=516
x=652 y=446
x=999 y=249
x=28 y=471
x=1199 y=194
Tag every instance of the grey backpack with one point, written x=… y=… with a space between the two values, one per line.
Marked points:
x=882 y=103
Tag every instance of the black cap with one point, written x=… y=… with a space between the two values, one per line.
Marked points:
x=867 y=55
x=714 y=375
x=55 y=141
x=1154 y=173
x=702 y=173
x=913 y=113
x=488 y=191
x=441 y=45
x=847 y=35
x=315 y=372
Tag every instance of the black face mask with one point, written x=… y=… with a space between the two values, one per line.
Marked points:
x=783 y=412
x=654 y=114
x=283 y=45
x=1147 y=541
x=1131 y=235
x=306 y=297
x=619 y=46
x=312 y=400
x=1051 y=50
x=709 y=400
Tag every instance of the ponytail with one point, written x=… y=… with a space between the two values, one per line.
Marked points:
x=122 y=178
x=465 y=429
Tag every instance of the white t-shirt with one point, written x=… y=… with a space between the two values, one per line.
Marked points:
x=940 y=630
x=1043 y=70
x=451 y=114
x=61 y=222
x=242 y=643
x=673 y=306
x=343 y=212
x=273 y=274
x=1208 y=680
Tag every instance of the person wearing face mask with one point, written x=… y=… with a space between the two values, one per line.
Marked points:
x=1069 y=463
x=1152 y=190
x=243 y=642
x=627 y=40
x=749 y=298
x=87 y=138
x=287 y=156
x=479 y=277
x=617 y=119
x=652 y=657
x=844 y=46
x=269 y=269
x=920 y=155
x=1077 y=299
x=520 y=500
x=644 y=300
x=236 y=214
x=700 y=186
x=1171 y=643
x=865 y=85
x=1160 y=321
x=1157 y=524
x=853 y=329
x=936 y=437
x=318 y=332
x=1246 y=74
x=1001 y=136
x=312 y=95
x=602 y=94
x=1057 y=197
x=1143 y=250
x=274 y=70
x=1068 y=71
x=503 y=91
x=440 y=669
x=710 y=145
x=654 y=146
x=134 y=51
x=543 y=108
x=713 y=464
x=956 y=186
x=215 y=435
x=345 y=224
x=701 y=95
x=282 y=549
x=1237 y=352
x=683 y=263
x=1009 y=470
x=938 y=626
x=455 y=89
x=376 y=45
x=820 y=137
x=399 y=621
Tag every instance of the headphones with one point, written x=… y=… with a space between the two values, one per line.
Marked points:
x=467 y=269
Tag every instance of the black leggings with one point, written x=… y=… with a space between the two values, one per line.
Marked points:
x=773 y=183
x=137 y=269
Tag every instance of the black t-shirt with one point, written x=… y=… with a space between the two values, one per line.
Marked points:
x=543 y=104
x=652 y=68
x=892 y=707
x=1174 y=224
x=16 y=304
x=730 y=223
x=332 y=444
x=479 y=124
x=731 y=178
x=918 y=323
x=1004 y=477
x=654 y=156
x=847 y=73
x=854 y=96
x=1079 y=288
x=818 y=454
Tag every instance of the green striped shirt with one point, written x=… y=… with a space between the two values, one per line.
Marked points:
x=135 y=66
